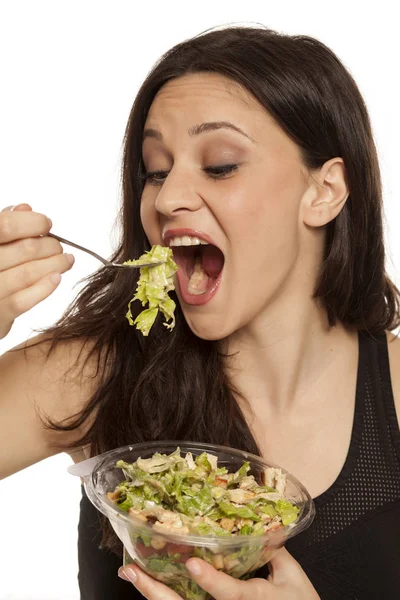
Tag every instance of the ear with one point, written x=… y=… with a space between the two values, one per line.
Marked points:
x=326 y=195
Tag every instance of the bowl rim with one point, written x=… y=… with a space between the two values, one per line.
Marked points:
x=110 y=510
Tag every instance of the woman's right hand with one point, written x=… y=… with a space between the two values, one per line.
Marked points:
x=30 y=266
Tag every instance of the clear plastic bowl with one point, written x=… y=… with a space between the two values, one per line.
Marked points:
x=162 y=555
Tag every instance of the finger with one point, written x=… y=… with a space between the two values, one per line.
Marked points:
x=28 y=249
x=147 y=586
x=224 y=587
x=22 y=301
x=26 y=275
x=16 y=225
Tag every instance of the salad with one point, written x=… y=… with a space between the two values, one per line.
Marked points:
x=173 y=495
x=153 y=287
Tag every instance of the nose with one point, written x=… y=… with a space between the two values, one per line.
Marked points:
x=178 y=193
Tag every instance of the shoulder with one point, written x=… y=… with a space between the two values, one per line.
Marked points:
x=394 y=361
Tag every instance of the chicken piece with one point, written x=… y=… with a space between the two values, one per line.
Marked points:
x=170 y=528
x=229 y=563
x=208 y=521
x=239 y=496
x=265 y=518
x=218 y=561
x=274 y=496
x=227 y=524
x=158 y=543
x=138 y=514
x=163 y=515
x=269 y=476
x=190 y=462
x=213 y=460
x=166 y=520
x=220 y=482
x=114 y=495
x=280 y=481
x=247 y=482
x=276 y=479
x=242 y=522
x=274 y=524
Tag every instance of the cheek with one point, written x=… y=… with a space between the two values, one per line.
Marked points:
x=260 y=214
x=149 y=219
x=266 y=190
x=262 y=226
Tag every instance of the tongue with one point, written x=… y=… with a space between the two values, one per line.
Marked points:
x=212 y=261
x=198 y=281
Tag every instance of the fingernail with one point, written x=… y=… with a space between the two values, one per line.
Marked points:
x=70 y=258
x=131 y=575
x=121 y=573
x=19 y=206
x=50 y=222
x=193 y=567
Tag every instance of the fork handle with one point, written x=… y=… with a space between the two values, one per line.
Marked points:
x=64 y=241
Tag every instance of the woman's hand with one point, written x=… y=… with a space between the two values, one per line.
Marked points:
x=31 y=263
x=287 y=581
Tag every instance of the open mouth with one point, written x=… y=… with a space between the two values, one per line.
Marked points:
x=200 y=265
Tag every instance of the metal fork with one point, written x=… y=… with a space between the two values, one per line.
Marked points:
x=105 y=262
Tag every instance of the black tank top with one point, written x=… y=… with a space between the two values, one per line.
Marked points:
x=352 y=549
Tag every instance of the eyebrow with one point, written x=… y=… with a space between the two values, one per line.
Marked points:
x=198 y=129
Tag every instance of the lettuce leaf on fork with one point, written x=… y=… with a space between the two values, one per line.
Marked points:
x=153 y=287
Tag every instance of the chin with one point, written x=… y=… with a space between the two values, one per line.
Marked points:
x=209 y=328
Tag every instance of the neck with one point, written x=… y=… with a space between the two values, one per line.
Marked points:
x=286 y=355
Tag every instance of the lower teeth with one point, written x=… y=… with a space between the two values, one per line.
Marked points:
x=198 y=281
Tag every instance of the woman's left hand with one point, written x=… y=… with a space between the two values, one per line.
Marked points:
x=287 y=581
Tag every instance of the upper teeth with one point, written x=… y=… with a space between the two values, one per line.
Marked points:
x=186 y=240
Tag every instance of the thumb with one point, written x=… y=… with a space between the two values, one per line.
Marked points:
x=283 y=567
x=286 y=572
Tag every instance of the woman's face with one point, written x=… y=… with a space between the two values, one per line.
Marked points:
x=249 y=210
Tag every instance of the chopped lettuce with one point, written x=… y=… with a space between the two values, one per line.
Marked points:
x=287 y=511
x=204 y=461
x=193 y=495
x=242 y=472
x=126 y=504
x=246 y=530
x=268 y=509
x=152 y=289
x=243 y=512
x=197 y=504
x=210 y=528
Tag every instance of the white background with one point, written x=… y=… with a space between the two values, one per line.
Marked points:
x=69 y=74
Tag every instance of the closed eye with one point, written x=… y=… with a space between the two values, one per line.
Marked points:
x=158 y=177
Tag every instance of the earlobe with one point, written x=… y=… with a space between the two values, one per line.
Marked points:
x=326 y=195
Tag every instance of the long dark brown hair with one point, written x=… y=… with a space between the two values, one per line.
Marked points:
x=173 y=385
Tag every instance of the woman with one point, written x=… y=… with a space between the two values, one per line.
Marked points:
x=260 y=145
